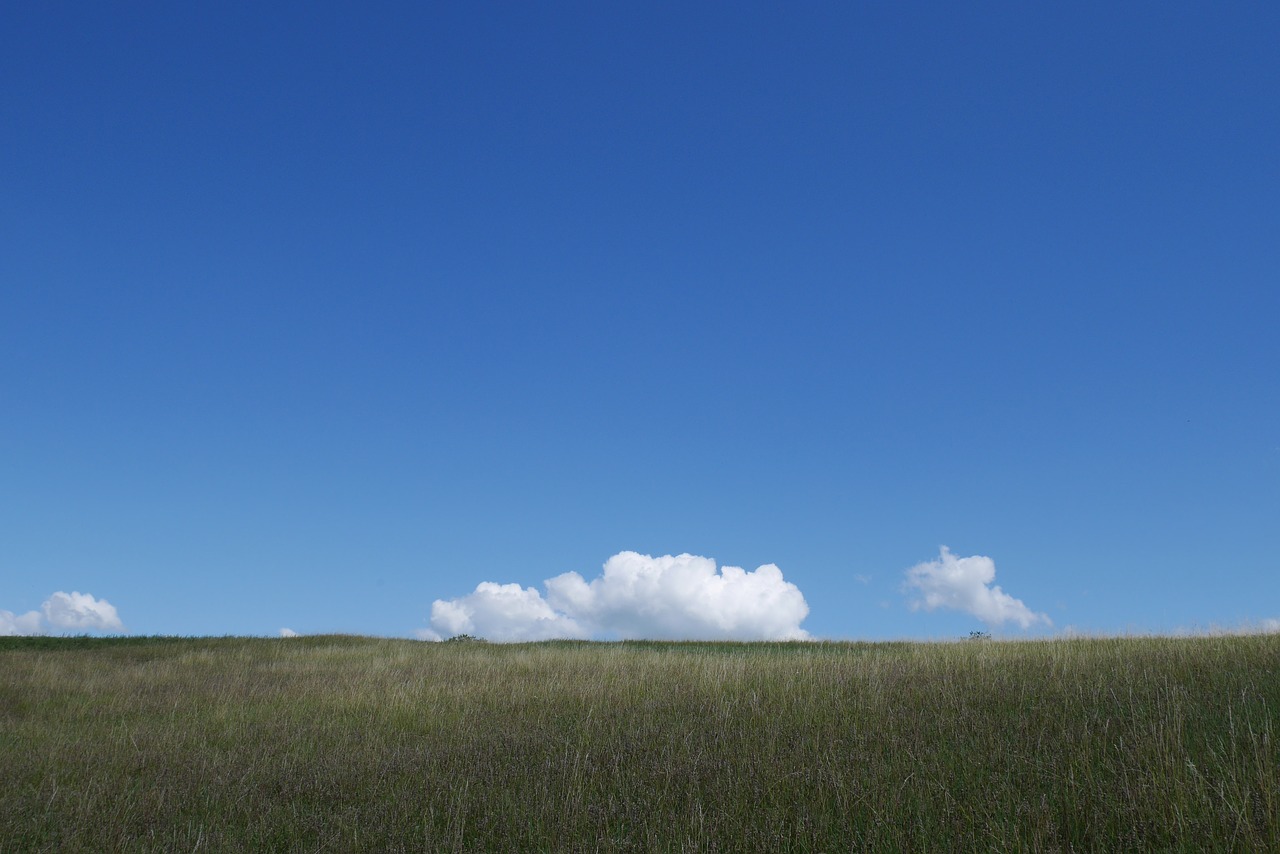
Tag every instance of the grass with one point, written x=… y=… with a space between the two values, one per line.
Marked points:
x=342 y=744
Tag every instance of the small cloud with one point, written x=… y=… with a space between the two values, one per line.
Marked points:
x=1249 y=627
x=862 y=579
x=30 y=623
x=965 y=584
x=288 y=633
x=82 y=613
x=637 y=596
x=68 y=612
x=502 y=612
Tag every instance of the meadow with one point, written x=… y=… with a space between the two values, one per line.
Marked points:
x=341 y=743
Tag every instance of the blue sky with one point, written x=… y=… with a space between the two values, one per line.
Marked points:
x=313 y=315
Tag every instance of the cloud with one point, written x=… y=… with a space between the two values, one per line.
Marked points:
x=682 y=597
x=964 y=584
x=29 y=623
x=1268 y=626
x=501 y=612
x=82 y=613
x=69 y=612
x=288 y=633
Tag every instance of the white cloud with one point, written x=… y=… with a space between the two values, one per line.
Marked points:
x=82 y=613
x=502 y=612
x=68 y=612
x=30 y=623
x=1249 y=627
x=637 y=596
x=288 y=633
x=965 y=584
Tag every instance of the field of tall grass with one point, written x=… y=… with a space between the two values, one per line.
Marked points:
x=345 y=744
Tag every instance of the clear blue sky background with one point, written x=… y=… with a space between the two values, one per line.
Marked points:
x=313 y=313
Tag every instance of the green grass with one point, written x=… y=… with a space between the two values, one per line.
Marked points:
x=341 y=744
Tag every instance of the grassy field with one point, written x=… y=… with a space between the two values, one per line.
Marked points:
x=343 y=744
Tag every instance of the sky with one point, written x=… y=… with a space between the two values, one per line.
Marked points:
x=847 y=321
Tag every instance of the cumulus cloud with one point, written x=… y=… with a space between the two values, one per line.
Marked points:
x=30 y=623
x=288 y=633
x=965 y=584
x=81 y=612
x=680 y=597
x=502 y=612
x=68 y=612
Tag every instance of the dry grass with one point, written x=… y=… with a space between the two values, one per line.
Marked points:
x=340 y=744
